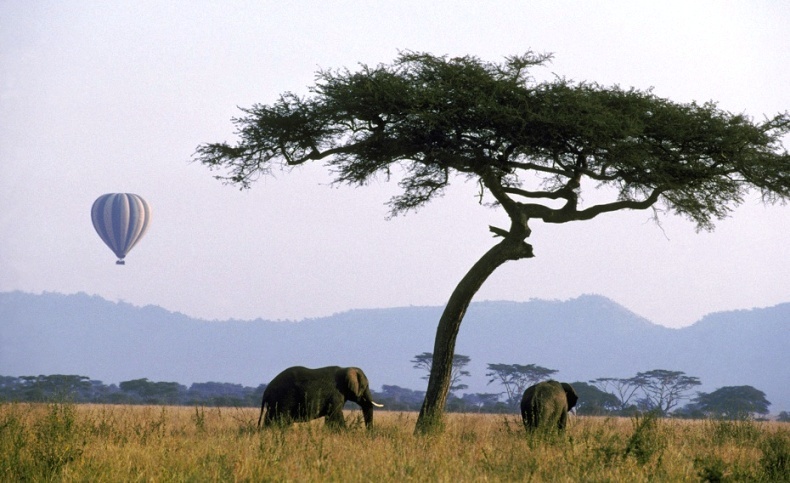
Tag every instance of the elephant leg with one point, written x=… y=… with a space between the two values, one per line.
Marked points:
x=533 y=418
x=276 y=417
x=563 y=420
x=261 y=416
x=334 y=417
x=270 y=417
x=526 y=418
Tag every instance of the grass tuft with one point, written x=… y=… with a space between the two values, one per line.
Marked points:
x=647 y=442
x=775 y=459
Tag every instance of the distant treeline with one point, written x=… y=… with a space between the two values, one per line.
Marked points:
x=728 y=402
x=82 y=389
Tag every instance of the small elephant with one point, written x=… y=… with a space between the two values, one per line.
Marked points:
x=302 y=394
x=546 y=405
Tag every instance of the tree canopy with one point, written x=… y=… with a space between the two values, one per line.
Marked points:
x=531 y=147
x=732 y=402
x=434 y=116
x=424 y=361
x=664 y=389
x=661 y=390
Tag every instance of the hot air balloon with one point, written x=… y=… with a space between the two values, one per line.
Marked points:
x=120 y=219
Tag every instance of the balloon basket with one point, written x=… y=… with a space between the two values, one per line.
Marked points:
x=120 y=262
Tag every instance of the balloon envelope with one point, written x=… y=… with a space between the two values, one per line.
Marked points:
x=120 y=219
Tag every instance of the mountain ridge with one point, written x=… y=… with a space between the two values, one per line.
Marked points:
x=584 y=338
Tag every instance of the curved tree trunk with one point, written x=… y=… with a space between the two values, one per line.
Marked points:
x=432 y=412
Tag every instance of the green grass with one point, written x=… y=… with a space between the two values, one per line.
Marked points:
x=64 y=442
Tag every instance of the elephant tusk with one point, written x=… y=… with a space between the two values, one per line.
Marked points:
x=376 y=404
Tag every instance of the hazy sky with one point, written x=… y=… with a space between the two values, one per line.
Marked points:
x=99 y=97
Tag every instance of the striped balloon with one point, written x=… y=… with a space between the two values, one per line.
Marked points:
x=120 y=219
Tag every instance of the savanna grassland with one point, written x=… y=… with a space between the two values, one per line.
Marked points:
x=68 y=442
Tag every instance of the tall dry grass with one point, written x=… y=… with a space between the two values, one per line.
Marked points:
x=64 y=442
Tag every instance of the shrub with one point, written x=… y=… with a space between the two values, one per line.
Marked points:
x=647 y=440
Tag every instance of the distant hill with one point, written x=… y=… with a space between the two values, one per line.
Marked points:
x=584 y=338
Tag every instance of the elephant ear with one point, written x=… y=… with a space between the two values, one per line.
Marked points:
x=570 y=394
x=354 y=381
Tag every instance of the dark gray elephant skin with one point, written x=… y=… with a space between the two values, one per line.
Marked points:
x=300 y=394
x=546 y=404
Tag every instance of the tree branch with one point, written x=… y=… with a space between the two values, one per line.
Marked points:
x=550 y=195
x=536 y=167
x=564 y=215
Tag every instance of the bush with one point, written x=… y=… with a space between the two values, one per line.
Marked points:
x=647 y=441
x=775 y=460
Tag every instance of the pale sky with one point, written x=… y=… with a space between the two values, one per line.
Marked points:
x=101 y=97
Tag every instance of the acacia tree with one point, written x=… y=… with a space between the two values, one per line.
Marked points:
x=530 y=146
x=663 y=389
x=732 y=402
x=623 y=389
x=516 y=378
x=424 y=361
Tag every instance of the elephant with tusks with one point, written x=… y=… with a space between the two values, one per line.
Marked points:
x=299 y=394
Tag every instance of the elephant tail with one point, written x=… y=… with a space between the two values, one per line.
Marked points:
x=264 y=404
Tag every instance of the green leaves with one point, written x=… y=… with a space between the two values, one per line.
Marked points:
x=732 y=402
x=433 y=116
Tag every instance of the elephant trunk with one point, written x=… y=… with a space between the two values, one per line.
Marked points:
x=367 y=413
x=367 y=403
